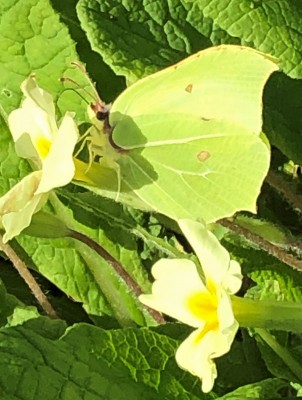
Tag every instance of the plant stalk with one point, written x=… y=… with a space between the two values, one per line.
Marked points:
x=25 y=274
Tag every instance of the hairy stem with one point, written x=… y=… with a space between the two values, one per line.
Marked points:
x=119 y=269
x=25 y=274
x=263 y=244
x=282 y=187
x=282 y=352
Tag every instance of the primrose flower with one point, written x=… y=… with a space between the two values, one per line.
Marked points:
x=48 y=148
x=179 y=291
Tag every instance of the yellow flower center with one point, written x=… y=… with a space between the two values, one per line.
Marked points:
x=203 y=305
x=43 y=146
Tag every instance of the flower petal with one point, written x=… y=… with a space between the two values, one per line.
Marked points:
x=28 y=121
x=35 y=119
x=233 y=280
x=214 y=258
x=197 y=352
x=175 y=281
x=194 y=356
x=40 y=98
x=225 y=315
x=58 y=166
x=19 y=204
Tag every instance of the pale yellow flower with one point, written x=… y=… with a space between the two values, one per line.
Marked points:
x=179 y=291
x=49 y=149
x=19 y=204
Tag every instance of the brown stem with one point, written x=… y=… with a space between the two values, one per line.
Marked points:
x=119 y=269
x=265 y=245
x=25 y=274
x=281 y=186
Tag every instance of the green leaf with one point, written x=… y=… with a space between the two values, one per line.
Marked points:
x=137 y=39
x=162 y=32
x=277 y=281
x=245 y=352
x=33 y=40
x=281 y=357
x=267 y=230
x=282 y=115
x=274 y=280
x=65 y=307
x=263 y=390
x=108 y=83
x=13 y=311
x=89 y=363
x=85 y=276
x=119 y=244
x=261 y=25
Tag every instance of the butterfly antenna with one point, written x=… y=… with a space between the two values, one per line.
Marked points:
x=66 y=79
x=100 y=109
x=73 y=90
x=81 y=67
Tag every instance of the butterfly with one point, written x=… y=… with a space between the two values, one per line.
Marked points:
x=186 y=141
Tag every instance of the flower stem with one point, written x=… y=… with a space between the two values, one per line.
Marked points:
x=263 y=244
x=25 y=274
x=119 y=269
x=273 y=315
x=281 y=186
x=158 y=242
x=282 y=352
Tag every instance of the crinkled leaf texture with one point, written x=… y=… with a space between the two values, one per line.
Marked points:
x=88 y=363
x=34 y=40
x=162 y=32
x=12 y=310
x=272 y=27
x=263 y=390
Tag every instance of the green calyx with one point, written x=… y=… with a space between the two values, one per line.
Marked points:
x=272 y=315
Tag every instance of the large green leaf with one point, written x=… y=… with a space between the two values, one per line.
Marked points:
x=33 y=40
x=138 y=38
x=260 y=390
x=13 y=311
x=89 y=363
x=282 y=115
x=82 y=274
x=109 y=84
x=273 y=27
x=163 y=32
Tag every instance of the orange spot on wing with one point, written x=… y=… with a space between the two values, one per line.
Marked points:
x=203 y=155
x=189 y=88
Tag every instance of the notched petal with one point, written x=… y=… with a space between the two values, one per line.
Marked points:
x=175 y=281
x=178 y=291
x=19 y=204
x=58 y=167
